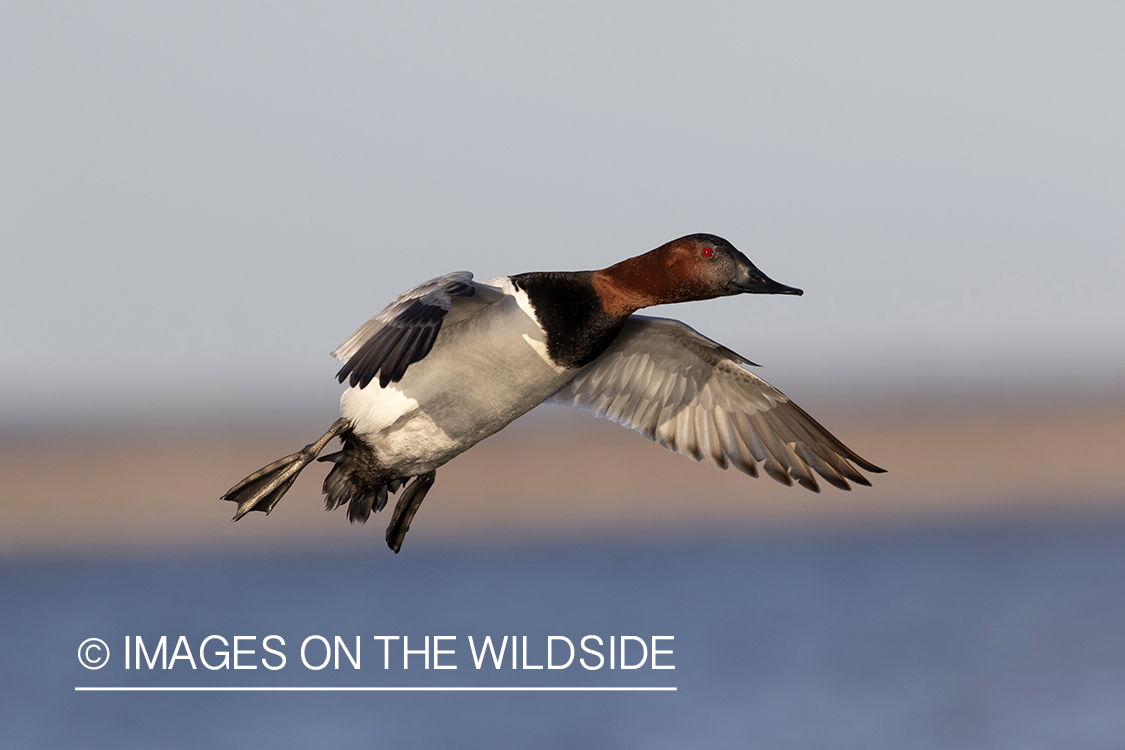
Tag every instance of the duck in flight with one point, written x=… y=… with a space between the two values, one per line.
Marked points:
x=453 y=360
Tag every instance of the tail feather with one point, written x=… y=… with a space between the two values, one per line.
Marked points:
x=347 y=484
x=357 y=480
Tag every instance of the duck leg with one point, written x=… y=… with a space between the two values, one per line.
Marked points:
x=262 y=489
x=406 y=507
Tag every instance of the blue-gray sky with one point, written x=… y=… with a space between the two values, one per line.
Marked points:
x=200 y=200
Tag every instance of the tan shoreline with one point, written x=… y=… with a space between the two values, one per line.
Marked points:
x=568 y=477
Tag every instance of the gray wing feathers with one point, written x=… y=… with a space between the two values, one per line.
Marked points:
x=692 y=395
x=404 y=332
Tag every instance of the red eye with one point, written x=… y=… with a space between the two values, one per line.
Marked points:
x=707 y=252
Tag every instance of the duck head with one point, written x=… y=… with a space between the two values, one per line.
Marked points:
x=695 y=267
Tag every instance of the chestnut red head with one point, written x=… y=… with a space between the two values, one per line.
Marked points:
x=695 y=267
x=722 y=268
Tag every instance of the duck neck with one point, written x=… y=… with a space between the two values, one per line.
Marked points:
x=638 y=282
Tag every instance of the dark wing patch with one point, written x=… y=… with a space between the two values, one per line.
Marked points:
x=410 y=326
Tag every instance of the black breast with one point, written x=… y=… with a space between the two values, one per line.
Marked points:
x=578 y=327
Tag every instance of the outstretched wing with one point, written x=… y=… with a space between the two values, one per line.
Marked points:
x=405 y=331
x=693 y=395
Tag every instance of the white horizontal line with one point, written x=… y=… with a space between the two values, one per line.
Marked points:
x=381 y=689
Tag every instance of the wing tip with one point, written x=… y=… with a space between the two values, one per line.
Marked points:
x=866 y=465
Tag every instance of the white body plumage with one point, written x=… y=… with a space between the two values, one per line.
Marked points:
x=489 y=369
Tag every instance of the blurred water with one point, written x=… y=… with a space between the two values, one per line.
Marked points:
x=990 y=636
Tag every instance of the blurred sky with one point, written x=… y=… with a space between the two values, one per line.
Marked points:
x=200 y=200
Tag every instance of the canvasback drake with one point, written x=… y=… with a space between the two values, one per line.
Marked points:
x=452 y=361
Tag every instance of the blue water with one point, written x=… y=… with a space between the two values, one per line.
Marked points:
x=987 y=636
